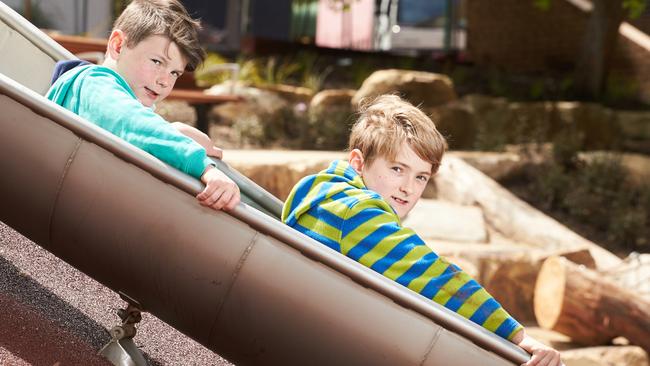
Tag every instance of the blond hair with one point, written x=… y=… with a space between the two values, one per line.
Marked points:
x=388 y=121
x=169 y=18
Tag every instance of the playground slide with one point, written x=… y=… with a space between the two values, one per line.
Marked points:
x=242 y=284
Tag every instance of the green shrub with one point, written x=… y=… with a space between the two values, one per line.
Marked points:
x=594 y=198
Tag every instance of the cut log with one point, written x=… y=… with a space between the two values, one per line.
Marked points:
x=508 y=272
x=590 y=309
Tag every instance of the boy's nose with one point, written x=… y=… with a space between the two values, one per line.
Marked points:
x=407 y=187
x=163 y=80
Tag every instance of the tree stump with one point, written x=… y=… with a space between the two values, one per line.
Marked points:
x=578 y=302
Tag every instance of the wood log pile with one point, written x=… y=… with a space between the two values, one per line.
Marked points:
x=564 y=291
x=556 y=278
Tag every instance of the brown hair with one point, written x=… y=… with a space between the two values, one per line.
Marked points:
x=169 y=18
x=388 y=121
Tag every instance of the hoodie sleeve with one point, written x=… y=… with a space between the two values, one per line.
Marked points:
x=371 y=235
x=103 y=100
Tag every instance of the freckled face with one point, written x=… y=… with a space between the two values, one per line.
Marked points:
x=400 y=182
x=151 y=68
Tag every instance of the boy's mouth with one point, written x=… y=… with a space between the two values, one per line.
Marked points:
x=151 y=93
x=399 y=200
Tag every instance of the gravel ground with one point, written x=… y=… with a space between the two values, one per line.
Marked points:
x=52 y=314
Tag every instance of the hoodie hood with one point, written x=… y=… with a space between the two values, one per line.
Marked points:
x=338 y=182
x=67 y=77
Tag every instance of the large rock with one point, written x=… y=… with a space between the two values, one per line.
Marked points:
x=256 y=104
x=434 y=219
x=593 y=126
x=332 y=98
x=487 y=123
x=499 y=122
x=290 y=93
x=490 y=116
x=330 y=118
x=457 y=122
x=530 y=122
x=635 y=125
x=418 y=87
x=635 y=128
x=177 y=111
x=263 y=118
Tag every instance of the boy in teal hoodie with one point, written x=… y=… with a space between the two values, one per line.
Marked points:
x=355 y=207
x=152 y=43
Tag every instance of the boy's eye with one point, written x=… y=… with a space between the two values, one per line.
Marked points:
x=156 y=62
x=397 y=169
x=176 y=74
x=422 y=178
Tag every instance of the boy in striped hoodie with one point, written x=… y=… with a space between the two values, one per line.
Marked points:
x=355 y=208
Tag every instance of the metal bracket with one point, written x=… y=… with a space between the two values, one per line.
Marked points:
x=121 y=350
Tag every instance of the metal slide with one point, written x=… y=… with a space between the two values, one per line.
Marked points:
x=243 y=284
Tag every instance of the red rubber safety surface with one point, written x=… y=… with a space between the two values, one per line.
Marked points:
x=52 y=314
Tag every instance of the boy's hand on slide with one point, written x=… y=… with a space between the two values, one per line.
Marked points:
x=220 y=192
x=214 y=152
x=541 y=354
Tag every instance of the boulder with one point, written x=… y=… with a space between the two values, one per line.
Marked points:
x=177 y=111
x=634 y=125
x=530 y=122
x=479 y=103
x=418 y=87
x=491 y=117
x=332 y=98
x=457 y=122
x=262 y=119
x=635 y=128
x=330 y=118
x=257 y=104
x=292 y=94
x=593 y=126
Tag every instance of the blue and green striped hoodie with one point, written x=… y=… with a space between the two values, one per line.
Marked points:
x=336 y=208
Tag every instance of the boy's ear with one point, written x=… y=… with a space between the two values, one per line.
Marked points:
x=356 y=160
x=116 y=41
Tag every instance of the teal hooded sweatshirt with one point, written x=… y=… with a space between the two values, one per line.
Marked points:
x=101 y=96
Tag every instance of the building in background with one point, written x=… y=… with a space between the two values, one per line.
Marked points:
x=391 y=25
x=93 y=18
x=367 y=25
